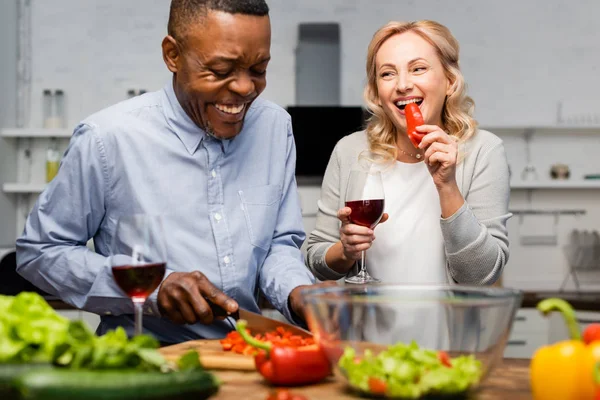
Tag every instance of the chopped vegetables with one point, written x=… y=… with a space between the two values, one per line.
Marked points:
x=235 y=343
x=407 y=371
x=287 y=364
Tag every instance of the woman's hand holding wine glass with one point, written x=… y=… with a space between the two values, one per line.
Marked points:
x=365 y=201
x=355 y=238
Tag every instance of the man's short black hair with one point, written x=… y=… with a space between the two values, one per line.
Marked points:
x=185 y=12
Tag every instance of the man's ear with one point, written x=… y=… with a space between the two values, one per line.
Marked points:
x=171 y=53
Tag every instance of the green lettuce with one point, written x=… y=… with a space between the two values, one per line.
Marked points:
x=33 y=332
x=410 y=372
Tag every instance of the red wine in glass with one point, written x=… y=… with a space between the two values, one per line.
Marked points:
x=365 y=197
x=138 y=258
x=139 y=281
x=366 y=212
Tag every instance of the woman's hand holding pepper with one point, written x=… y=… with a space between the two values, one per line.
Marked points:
x=441 y=155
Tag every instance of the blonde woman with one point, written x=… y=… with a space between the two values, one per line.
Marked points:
x=446 y=201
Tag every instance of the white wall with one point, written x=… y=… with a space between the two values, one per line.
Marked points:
x=8 y=95
x=520 y=60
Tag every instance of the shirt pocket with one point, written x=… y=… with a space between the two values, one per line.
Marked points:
x=261 y=207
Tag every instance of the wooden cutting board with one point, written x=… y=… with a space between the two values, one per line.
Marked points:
x=211 y=354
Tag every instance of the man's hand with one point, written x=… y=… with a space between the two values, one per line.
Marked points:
x=182 y=298
x=296 y=303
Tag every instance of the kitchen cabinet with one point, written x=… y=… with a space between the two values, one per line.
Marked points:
x=530 y=331
x=559 y=329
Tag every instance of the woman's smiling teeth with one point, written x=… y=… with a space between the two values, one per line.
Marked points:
x=230 y=109
x=402 y=103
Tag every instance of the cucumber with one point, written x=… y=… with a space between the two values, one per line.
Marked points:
x=61 y=384
x=9 y=372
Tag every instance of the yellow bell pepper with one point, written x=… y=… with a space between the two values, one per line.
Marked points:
x=564 y=370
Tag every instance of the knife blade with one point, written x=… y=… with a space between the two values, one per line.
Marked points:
x=257 y=323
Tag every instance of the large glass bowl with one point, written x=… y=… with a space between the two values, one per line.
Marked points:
x=357 y=322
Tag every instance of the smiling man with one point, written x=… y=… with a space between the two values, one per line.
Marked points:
x=207 y=154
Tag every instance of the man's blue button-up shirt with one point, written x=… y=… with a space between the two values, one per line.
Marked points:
x=231 y=209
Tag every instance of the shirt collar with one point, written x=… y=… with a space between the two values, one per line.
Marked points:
x=190 y=134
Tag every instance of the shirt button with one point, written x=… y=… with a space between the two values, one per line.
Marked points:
x=226 y=259
x=218 y=216
x=213 y=173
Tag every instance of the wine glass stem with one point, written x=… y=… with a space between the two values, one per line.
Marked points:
x=363 y=266
x=138 y=305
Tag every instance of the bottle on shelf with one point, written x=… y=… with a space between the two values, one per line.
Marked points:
x=52 y=160
x=54 y=109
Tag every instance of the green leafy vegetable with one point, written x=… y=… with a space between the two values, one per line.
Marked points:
x=32 y=332
x=407 y=371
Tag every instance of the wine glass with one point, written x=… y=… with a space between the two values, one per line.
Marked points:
x=138 y=259
x=365 y=197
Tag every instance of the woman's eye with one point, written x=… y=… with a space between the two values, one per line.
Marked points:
x=386 y=74
x=259 y=73
x=419 y=69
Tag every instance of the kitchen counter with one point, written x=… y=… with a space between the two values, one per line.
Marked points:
x=580 y=301
x=510 y=380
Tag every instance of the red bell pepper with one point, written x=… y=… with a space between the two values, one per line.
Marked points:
x=591 y=333
x=287 y=365
x=414 y=118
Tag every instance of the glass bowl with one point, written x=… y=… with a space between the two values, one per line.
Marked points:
x=412 y=341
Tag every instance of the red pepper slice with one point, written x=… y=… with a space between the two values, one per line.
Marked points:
x=287 y=365
x=444 y=358
x=377 y=386
x=414 y=118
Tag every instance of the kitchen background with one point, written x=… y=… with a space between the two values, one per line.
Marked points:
x=532 y=67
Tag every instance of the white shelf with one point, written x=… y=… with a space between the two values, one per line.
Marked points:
x=23 y=187
x=35 y=133
x=567 y=184
x=557 y=128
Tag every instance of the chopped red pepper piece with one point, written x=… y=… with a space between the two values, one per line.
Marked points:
x=444 y=358
x=377 y=385
x=287 y=365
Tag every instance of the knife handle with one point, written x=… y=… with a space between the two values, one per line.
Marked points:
x=218 y=311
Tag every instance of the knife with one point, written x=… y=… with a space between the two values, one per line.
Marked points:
x=258 y=323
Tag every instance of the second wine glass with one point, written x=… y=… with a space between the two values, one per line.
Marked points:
x=366 y=199
x=138 y=259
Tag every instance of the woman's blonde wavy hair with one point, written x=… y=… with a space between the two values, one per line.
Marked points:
x=458 y=108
